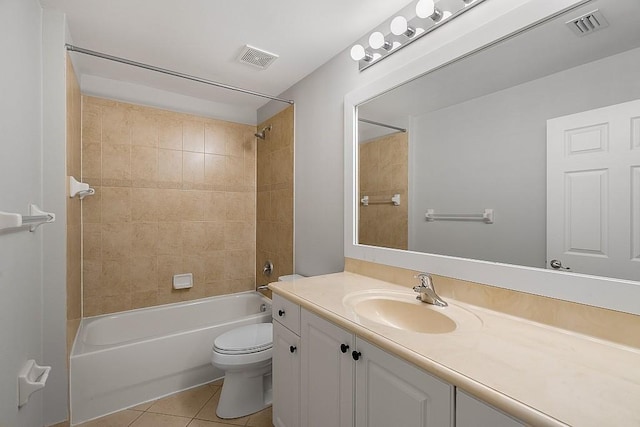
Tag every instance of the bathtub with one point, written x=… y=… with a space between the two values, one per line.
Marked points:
x=124 y=359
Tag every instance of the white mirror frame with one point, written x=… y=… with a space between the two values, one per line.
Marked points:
x=493 y=21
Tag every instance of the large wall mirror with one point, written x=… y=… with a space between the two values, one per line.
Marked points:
x=524 y=153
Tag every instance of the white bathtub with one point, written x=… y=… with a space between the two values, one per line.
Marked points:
x=124 y=359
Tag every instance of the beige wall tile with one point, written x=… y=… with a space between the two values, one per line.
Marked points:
x=116 y=165
x=169 y=238
x=169 y=209
x=215 y=137
x=116 y=125
x=214 y=171
x=192 y=169
x=144 y=204
x=116 y=241
x=193 y=136
x=192 y=205
x=234 y=171
x=144 y=240
x=215 y=208
x=214 y=266
x=169 y=168
x=92 y=241
x=116 y=204
x=170 y=134
x=194 y=238
x=91 y=163
x=215 y=236
x=116 y=273
x=163 y=207
x=144 y=128
x=144 y=166
x=144 y=275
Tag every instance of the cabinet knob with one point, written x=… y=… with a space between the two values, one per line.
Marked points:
x=356 y=355
x=293 y=349
x=344 y=348
x=280 y=313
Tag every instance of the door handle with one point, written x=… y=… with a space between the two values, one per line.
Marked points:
x=557 y=265
x=344 y=348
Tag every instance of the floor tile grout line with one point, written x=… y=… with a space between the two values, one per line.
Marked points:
x=136 y=418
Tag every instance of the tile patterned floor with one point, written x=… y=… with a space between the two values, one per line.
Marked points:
x=192 y=408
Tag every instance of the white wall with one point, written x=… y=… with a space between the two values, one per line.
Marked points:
x=490 y=152
x=20 y=184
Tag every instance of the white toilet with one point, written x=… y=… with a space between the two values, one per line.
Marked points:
x=244 y=354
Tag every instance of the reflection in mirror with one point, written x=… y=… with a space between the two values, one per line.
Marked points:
x=383 y=168
x=541 y=128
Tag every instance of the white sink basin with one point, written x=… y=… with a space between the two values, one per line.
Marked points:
x=401 y=310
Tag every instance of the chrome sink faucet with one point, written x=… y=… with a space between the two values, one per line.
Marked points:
x=427 y=291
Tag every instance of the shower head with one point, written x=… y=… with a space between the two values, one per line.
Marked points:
x=263 y=133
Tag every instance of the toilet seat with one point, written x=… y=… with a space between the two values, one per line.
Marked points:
x=245 y=339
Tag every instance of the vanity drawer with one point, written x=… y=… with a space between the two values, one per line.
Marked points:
x=287 y=313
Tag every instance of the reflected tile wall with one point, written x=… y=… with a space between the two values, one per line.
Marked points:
x=383 y=169
x=175 y=193
x=274 y=237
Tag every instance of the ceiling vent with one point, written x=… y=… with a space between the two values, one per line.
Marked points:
x=256 y=57
x=588 y=23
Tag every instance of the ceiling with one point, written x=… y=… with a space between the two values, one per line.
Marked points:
x=204 y=37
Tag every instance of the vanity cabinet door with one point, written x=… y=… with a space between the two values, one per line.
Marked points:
x=392 y=392
x=470 y=412
x=327 y=373
x=286 y=377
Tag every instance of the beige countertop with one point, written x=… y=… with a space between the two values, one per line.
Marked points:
x=539 y=374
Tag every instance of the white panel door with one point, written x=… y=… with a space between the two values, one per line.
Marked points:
x=593 y=192
x=327 y=373
x=286 y=377
x=392 y=392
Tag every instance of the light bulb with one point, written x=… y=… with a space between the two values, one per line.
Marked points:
x=425 y=8
x=376 y=40
x=357 y=52
x=399 y=26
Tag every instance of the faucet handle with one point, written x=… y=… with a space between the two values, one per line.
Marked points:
x=425 y=280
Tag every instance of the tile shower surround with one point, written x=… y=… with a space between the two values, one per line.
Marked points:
x=274 y=238
x=175 y=193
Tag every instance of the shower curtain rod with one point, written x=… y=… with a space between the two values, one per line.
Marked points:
x=172 y=73
x=371 y=122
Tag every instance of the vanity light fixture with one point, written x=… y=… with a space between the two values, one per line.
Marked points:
x=408 y=25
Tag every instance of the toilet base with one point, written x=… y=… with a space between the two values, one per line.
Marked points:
x=244 y=394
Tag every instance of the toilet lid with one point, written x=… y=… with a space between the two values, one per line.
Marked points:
x=245 y=339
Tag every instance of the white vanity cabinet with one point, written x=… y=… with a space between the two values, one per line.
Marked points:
x=392 y=392
x=471 y=412
x=324 y=375
x=347 y=381
x=286 y=363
